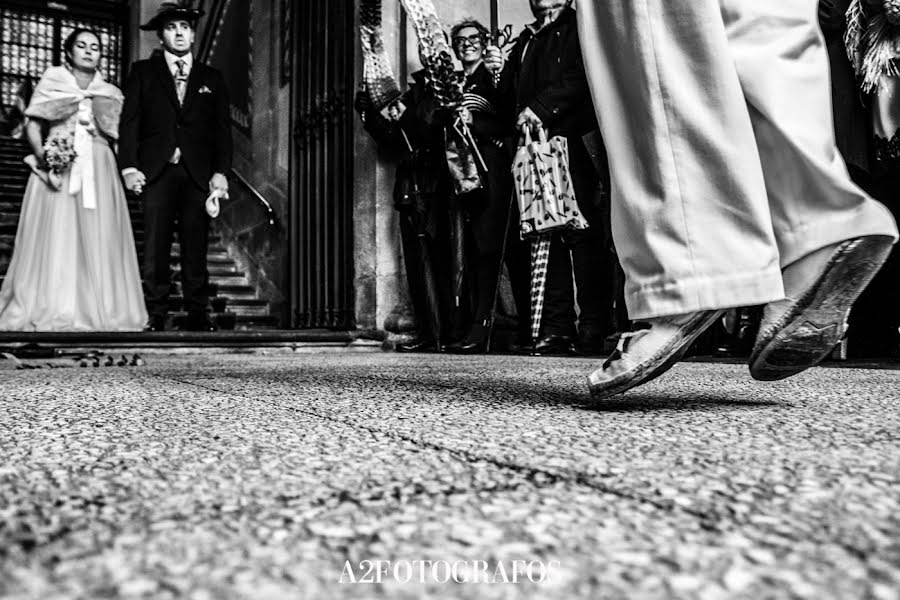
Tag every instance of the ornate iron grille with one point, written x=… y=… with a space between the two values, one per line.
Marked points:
x=321 y=205
x=32 y=40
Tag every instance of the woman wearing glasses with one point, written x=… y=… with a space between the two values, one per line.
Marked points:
x=486 y=211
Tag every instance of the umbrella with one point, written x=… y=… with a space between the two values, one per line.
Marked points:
x=540 y=253
x=458 y=241
x=417 y=216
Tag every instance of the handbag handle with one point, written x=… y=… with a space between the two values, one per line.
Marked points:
x=526 y=133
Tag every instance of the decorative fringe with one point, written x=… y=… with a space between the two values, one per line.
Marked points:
x=870 y=42
x=434 y=49
x=378 y=77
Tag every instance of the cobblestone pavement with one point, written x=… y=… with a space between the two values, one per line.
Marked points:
x=251 y=476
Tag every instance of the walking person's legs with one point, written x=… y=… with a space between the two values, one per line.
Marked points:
x=832 y=237
x=690 y=205
x=690 y=216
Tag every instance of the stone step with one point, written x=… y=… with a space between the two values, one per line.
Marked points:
x=13 y=162
x=249 y=308
x=232 y=293
x=15 y=188
x=241 y=322
x=242 y=307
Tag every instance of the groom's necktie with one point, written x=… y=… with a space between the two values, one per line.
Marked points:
x=181 y=78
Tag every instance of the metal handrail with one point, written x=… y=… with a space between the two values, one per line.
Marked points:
x=273 y=217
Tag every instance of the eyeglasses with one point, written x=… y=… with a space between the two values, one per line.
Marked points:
x=475 y=41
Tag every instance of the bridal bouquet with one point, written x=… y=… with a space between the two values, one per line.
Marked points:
x=59 y=154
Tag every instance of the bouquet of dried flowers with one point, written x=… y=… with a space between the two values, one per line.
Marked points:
x=448 y=85
x=59 y=153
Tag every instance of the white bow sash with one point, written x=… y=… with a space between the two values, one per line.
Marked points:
x=81 y=176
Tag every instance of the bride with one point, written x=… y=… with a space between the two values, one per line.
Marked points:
x=74 y=265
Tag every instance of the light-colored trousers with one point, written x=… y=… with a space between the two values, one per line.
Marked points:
x=717 y=119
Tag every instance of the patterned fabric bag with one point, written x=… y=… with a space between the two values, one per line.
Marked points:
x=544 y=187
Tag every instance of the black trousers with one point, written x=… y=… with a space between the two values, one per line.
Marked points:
x=492 y=214
x=875 y=318
x=174 y=201
x=587 y=254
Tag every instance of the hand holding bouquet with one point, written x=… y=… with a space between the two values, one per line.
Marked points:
x=59 y=154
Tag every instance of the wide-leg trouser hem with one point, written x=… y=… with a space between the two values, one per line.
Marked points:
x=694 y=294
x=870 y=218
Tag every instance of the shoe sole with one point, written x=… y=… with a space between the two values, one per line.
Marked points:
x=664 y=359
x=817 y=321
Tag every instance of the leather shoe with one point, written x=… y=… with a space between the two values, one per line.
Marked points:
x=648 y=353
x=419 y=345
x=199 y=321
x=155 y=323
x=800 y=331
x=554 y=344
x=468 y=346
x=475 y=342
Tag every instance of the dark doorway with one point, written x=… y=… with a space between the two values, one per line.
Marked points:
x=321 y=189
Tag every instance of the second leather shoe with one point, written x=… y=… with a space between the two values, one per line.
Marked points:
x=474 y=343
x=418 y=345
x=554 y=345
x=199 y=321
x=155 y=323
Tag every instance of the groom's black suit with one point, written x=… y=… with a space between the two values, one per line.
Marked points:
x=153 y=125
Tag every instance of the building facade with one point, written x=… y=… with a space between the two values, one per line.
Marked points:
x=311 y=218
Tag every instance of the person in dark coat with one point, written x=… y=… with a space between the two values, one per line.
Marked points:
x=175 y=150
x=875 y=318
x=543 y=84
x=410 y=132
x=487 y=211
x=851 y=117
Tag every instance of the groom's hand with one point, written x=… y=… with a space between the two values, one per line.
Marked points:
x=135 y=182
x=218 y=182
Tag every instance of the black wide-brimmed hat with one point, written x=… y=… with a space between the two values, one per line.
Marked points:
x=179 y=9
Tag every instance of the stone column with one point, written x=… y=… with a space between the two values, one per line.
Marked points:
x=380 y=282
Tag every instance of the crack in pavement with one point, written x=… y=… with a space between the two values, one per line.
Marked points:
x=530 y=473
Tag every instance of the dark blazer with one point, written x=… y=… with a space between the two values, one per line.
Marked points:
x=549 y=79
x=153 y=124
x=852 y=129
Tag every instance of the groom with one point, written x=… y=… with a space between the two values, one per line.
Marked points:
x=175 y=150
